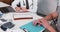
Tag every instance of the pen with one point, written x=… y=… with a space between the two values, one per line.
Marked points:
x=23 y=18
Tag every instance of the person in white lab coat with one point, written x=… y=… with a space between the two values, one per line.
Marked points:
x=47 y=7
x=23 y=5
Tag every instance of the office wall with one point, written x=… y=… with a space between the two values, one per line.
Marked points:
x=7 y=1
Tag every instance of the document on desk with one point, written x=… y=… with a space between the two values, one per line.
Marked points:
x=31 y=28
x=20 y=16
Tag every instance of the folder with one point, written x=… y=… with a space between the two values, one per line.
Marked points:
x=31 y=28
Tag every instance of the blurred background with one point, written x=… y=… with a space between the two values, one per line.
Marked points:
x=7 y=1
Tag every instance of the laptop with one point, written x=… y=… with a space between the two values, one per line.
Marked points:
x=6 y=9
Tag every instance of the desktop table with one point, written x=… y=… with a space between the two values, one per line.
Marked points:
x=19 y=23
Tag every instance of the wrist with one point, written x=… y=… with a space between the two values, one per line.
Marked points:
x=45 y=18
x=51 y=29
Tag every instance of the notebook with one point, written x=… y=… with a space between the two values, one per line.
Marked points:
x=31 y=28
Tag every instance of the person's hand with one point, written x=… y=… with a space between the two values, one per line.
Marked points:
x=43 y=22
x=24 y=9
x=17 y=9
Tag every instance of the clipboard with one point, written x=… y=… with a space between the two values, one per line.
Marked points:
x=29 y=27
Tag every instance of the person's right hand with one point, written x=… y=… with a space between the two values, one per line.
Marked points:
x=24 y=9
x=43 y=22
x=17 y=9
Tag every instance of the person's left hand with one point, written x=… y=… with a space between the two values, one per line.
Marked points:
x=24 y=9
x=43 y=22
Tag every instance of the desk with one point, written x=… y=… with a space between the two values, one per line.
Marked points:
x=19 y=23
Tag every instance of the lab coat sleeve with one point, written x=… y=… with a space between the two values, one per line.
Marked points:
x=14 y=4
x=34 y=6
x=22 y=4
x=59 y=3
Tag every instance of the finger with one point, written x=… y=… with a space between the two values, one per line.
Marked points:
x=17 y=11
x=35 y=22
x=39 y=22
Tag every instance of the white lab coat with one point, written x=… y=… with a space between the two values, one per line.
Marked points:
x=32 y=8
x=58 y=2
